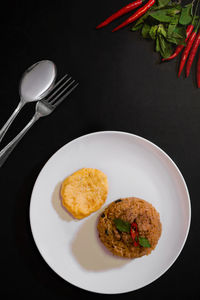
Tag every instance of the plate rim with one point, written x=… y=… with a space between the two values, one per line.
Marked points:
x=156 y=147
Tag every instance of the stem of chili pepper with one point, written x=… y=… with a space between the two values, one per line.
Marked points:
x=180 y=47
x=141 y=11
x=187 y=49
x=195 y=12
x=122 y=11
x=192 y=54
x=198 y=71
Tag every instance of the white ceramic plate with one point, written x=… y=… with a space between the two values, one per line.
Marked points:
x=135 y=167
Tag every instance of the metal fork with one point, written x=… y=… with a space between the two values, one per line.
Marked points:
x=43 y=108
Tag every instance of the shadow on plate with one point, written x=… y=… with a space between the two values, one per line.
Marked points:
x=57 y=204
x=90 y=252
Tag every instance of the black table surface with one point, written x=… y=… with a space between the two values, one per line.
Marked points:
x=123 y=87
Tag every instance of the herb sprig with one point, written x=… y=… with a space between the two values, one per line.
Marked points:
x=124 y=226
x=165 y=23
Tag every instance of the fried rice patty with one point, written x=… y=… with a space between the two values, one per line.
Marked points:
x=129 y=210
x=84 y=192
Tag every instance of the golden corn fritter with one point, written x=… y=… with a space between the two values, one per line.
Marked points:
x=84 y=192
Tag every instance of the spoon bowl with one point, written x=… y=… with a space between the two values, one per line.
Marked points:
x=37 y=81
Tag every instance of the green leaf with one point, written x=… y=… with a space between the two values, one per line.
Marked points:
x=169 y=6
x=178 y=36
x=173 y=12
x=122 y=226
x=140 y=22
x=165 y=15
x=153 y=32
x=157 y=45
x=137 y=27
x=166 y=48
x=171 y=28
x=172 y=25
x=144 y=242
x=181 y=31
x=161 y=30
x=161 y=16
x=186 y=15
x=145 y=30
x=162 y=3
x=175 y=40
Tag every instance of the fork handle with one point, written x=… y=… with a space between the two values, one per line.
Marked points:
x=11 y=119
x=5 y=152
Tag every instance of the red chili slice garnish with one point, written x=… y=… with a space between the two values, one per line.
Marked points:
x=134 y=234
x=134 y=226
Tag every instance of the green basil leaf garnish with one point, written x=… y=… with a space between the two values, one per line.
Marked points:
x=144 y=242
x=122 y=226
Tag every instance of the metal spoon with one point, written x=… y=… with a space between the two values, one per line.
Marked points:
x=36 y=83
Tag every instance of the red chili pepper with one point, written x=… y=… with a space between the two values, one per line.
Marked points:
x=192 y=54
x=141 y=11
x=134 y=226
x=135 y=234
x=198 y=72
x=189 y=43
x=122 y=11
x=180 y=47
x=186 y=51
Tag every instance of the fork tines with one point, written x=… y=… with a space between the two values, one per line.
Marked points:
x=61 y=90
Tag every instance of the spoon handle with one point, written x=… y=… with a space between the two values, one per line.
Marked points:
x=5 y=152
x=10 y=120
